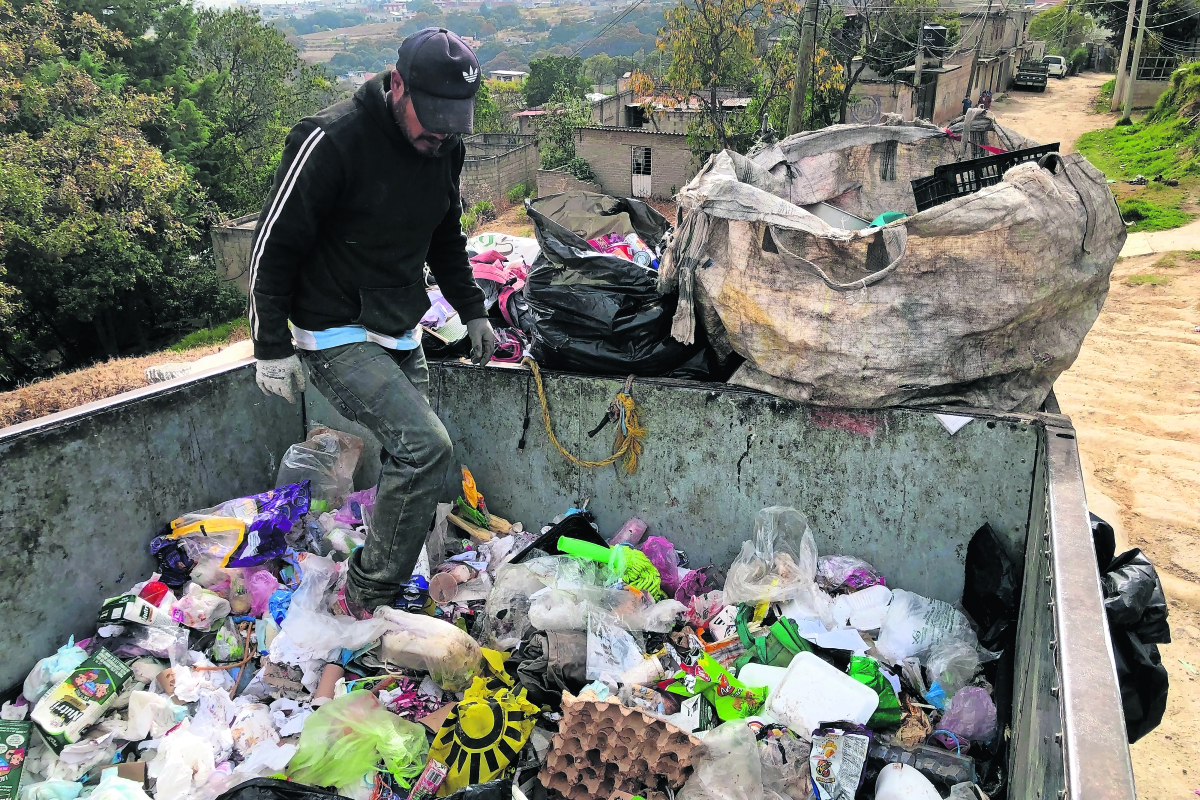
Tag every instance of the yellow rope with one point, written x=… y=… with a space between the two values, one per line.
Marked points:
x=630 y=431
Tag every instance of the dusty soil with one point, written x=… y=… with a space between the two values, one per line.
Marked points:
x=1060 y=114
x=1134 y=396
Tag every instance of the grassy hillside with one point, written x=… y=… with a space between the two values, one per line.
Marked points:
x=1165 y=142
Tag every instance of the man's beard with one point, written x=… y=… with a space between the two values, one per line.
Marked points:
x=425 y=145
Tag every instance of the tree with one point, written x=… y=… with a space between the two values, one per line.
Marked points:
x=556 y=128
x=251 y=90
x=1060 y=28
x=97 y=226
x=598 y=68
x=712 y=46
x=547 y=75
x=489 y=118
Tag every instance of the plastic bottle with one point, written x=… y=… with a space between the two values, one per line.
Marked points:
x=864 y=609
x=631 y=532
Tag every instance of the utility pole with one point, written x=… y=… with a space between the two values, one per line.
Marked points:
x=978 y=44
x=804 y=60
x=917 y=67
x=1125 y=50
x=1137 y=56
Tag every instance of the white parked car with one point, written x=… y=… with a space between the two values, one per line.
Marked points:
x=1056 y=66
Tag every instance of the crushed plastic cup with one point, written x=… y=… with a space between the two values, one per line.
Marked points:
x=864 y=609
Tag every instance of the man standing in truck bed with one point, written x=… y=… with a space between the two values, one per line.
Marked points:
x=366 y=194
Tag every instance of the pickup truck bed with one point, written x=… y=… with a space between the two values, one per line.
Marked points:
x=86 y=489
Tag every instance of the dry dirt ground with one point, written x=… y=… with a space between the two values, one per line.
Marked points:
x=1060 y=114
x=1134 y=396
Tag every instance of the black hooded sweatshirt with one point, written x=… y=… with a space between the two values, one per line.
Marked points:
x=354 y=215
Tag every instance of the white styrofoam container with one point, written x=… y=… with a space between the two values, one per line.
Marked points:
x=813 y=692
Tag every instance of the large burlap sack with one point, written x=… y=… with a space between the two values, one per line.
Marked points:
x=983 y=300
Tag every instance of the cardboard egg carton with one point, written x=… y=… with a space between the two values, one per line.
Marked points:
x=603 y=748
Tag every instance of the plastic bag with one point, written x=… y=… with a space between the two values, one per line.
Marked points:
x=242 y=532
x=261 y=585
x=970 y=716
x=1137 y=624
x=784 y=760
x=309 y=635
x=914 y=624
x=727 y=766
x=506 y=614
x=420 y=642
x=114 y=787
x=991 y=591
x=611 y=650
x=780 y=564
x=662 y=555
x=692 y=584
x=276 y=789
x=199 y=609
x=132 y=641
x=866 y=670
x=251 y=727
x=345 y=738
x=597 y=313
x=357 y=508
x=837 y=572
x=952 y=664
x=53 y=670
x=51 y=790
x=327 y=460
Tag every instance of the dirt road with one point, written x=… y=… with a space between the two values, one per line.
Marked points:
x=1060 y=114
x=1134 y=396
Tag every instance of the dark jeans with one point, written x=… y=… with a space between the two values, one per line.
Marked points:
x=386 y=392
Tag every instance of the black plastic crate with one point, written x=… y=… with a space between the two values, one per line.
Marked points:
x=967 y=177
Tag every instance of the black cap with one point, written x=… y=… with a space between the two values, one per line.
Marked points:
x=441 y=75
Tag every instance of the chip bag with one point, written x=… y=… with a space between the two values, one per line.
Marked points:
x=865 y=670
x=702 y=674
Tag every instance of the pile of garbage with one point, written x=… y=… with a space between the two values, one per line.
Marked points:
x=557 y=660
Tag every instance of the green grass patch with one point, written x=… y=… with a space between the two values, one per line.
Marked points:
x=1160 y=148
x=1147 y=280
x=1144 y=214
x=1192 y=255
x=1103 y=101
x=210 y=337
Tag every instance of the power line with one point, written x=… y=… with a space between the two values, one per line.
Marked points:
x=615 y=20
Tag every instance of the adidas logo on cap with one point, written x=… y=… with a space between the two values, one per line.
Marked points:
x=471 y=75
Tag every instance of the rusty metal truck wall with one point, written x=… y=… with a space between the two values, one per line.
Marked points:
x=84 y=491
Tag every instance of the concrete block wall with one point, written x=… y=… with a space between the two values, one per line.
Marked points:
x=611 y=110
x=496 y=162
x=557 y=181
x=1145 y=94
x=609 y=152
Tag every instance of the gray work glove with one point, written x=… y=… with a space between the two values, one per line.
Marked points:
x=281 y=376
x=483 y=340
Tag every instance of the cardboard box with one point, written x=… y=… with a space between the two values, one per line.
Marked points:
x=78 y=703
x=14 y=744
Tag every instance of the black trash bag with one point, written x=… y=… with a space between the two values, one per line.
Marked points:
x=596 y=313
x=553 y=662
x=275 y=789
x=1137 y=623
x=992 y=590
x=492 y=790
x=574 y=526
x=1105 y=540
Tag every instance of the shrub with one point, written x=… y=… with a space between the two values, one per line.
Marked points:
x=1147 y=280
x=581 y=169
x=468 y=223
x=518 y=193
x=484 y=211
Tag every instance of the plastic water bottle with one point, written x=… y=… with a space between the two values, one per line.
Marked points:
x=631 y=532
